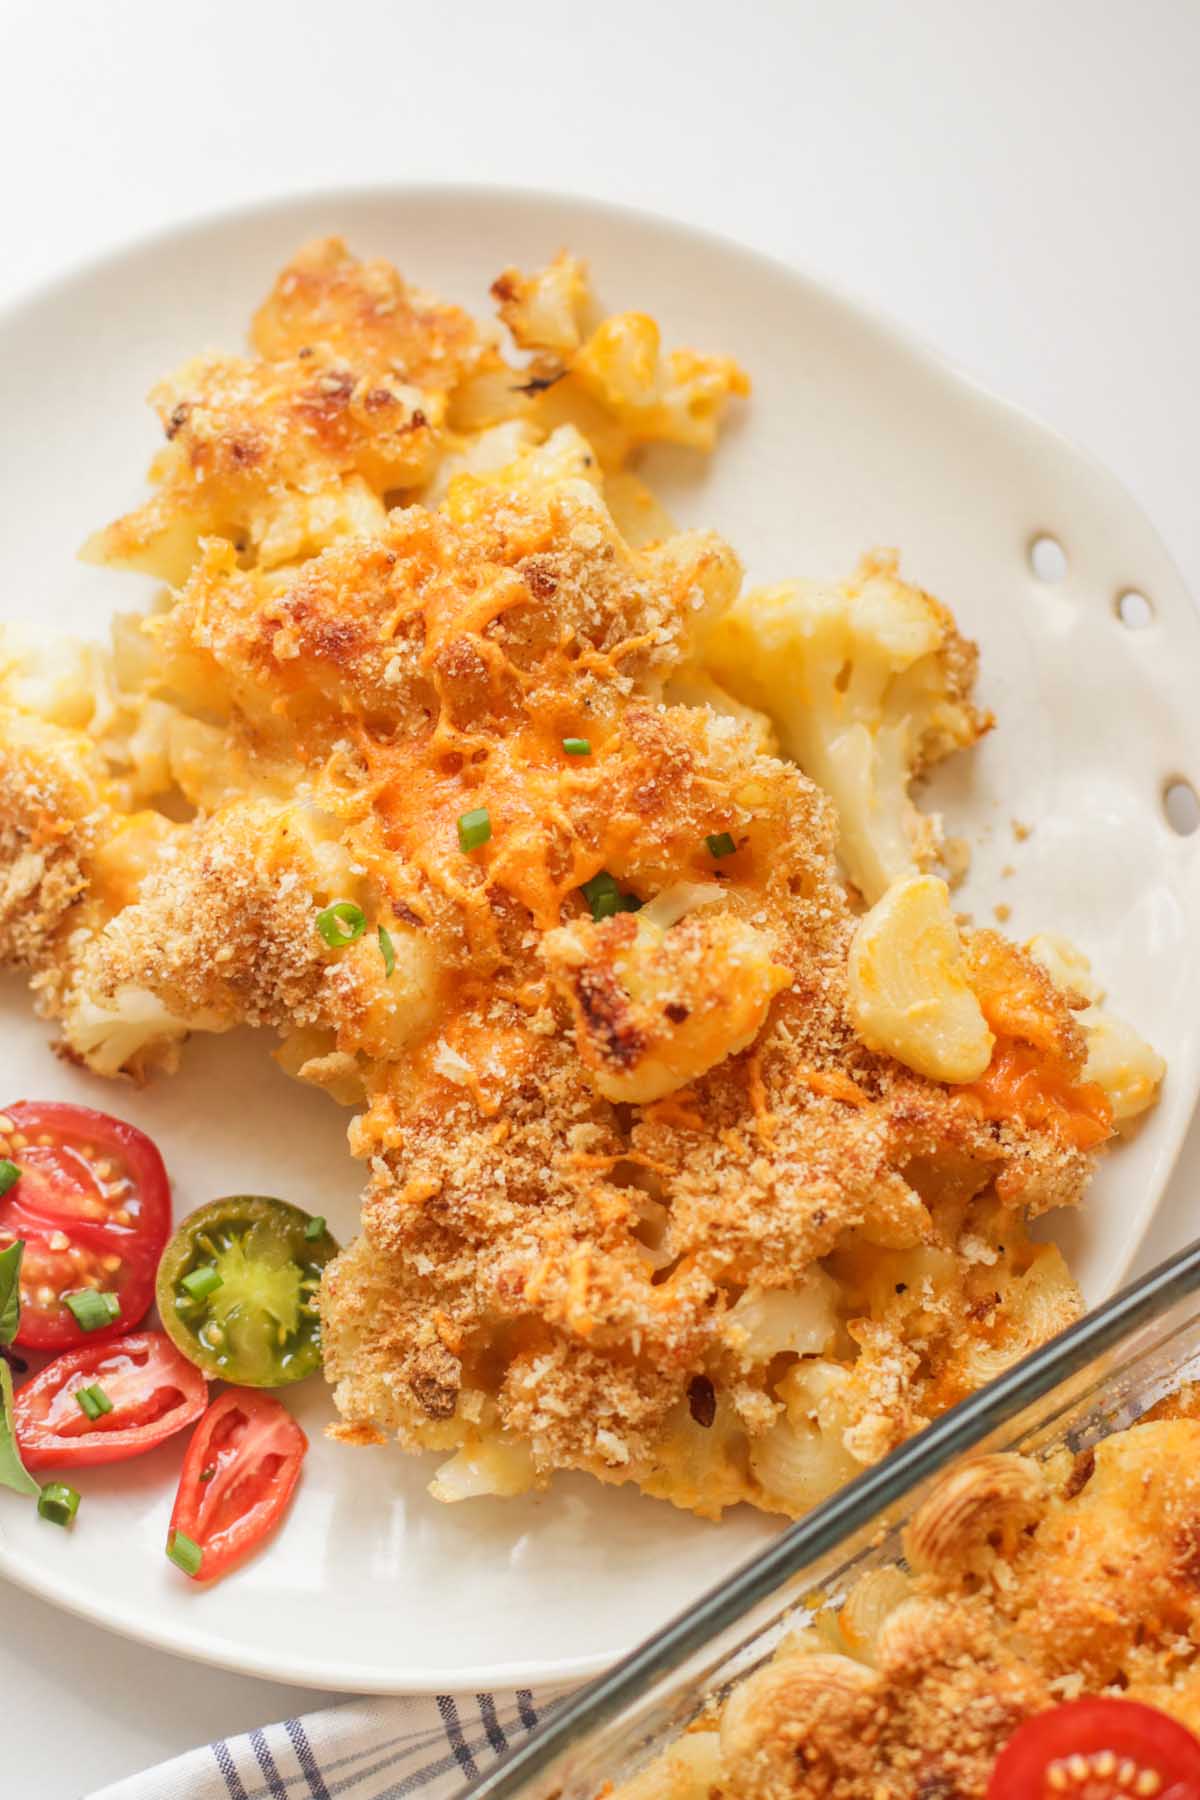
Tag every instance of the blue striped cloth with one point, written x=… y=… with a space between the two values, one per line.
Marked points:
x=366 y=1750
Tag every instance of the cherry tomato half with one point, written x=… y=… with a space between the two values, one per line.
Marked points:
x=237 y=1289
x=147 y=1392
x=1038 y=1763
x=241 y=1467
x=93 y=1207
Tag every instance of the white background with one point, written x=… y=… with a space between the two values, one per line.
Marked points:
x=1016 y=183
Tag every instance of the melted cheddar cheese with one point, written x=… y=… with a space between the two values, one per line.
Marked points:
x=647 y=1195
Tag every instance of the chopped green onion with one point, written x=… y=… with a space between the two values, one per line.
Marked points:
x=58 y=1503
x=721 y=844
x=201 y=1282
x=474 y=829
x=605 y=897
x=577 y=746
x=602 y=895
x=341 y=923
x=184 y=1552
x=207 y=1472
x=9 y=1175
x=388 y=951
x=315 y=1228
x=92 y=1310
x=93 y=1400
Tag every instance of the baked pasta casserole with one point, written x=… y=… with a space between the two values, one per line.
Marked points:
x=1043 y=1619
x=701 y=1137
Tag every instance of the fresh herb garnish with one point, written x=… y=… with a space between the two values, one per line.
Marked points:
x=184 y=1552
x=9 y=1175
x=606 y=899
x=474 y=829
x=13 y=1472
x=58 y=1503
x=341 y=923
x=93 y=1310
x=10 y=1291
x=202 y=1282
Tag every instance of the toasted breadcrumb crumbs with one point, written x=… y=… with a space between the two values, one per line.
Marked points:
x=587 y=1140
x=1026 y=1584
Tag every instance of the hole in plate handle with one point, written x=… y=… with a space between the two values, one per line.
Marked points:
x=1181 y=805
x=1047 y=558
x=1134 y=610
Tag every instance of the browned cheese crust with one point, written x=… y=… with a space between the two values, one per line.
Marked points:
x=1026 y=1584
x=588 y=1142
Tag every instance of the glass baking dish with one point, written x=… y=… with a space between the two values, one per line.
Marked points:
x=1096 y=1378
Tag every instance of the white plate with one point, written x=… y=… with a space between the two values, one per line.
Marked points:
x=854 y=438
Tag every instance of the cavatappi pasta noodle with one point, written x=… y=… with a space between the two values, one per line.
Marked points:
x=1023 y=1585
x=701 y=1140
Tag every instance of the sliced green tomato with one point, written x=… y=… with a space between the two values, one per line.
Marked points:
x=251 y=1317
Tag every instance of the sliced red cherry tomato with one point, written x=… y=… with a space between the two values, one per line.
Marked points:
x=93 y=1207
x=148 y=1390
x=241 y=1467
x=1122 y=1748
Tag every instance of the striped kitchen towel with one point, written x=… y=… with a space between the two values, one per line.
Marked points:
x=363 y=1750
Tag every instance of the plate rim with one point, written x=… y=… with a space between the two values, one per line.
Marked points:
x=308 y=1670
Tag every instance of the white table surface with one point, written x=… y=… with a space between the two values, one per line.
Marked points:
x=1016 y=183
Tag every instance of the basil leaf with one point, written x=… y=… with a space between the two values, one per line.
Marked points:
x=13 y=1472
x=10 y=1291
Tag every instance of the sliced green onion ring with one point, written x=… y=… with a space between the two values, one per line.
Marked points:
x=474 y=829
x=388 y=952
x=605 y=897
x=577 y=746
x=58 y=1503
x=602 y=895
x=315 y=1228
x=720 y=844
x=93 y=1310
x=184 y=1552
x=342 y=923
x=201 y=1282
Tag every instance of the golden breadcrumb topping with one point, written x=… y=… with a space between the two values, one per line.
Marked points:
x=1024 y=1584
x=648 y=1195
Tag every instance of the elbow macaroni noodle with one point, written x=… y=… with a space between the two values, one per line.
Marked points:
x=720 y=1187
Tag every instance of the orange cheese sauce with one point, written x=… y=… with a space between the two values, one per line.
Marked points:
x=1032 y=1077
x=1023 y=1084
